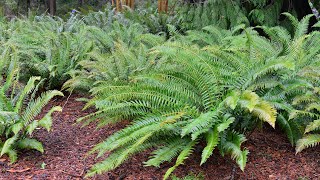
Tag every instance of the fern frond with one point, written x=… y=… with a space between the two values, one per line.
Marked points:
x=302 y=27
x=112 y=161
x=30 y=144
x=26 y=90
x=286 y=127
x=34 y=107
x=310 y=140
x=212 y=137
x=314 y=125
x=167 y=152
x=266 y=112
x=185 y=153
x=232 y=145
x=7 y=146
x=204 y=120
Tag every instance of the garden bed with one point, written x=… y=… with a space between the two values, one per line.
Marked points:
x=271 y=155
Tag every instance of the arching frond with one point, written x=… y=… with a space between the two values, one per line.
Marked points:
x=310 y=140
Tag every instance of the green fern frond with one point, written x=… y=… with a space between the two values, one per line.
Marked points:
x=310 y=140
x=112 y=161
x=34 y=107
x=27 y=90
x=232 y=145
x=7 y=146
x=204 y=120
x=286 y=127
x=30 y=144
x=167 y=152
x=212 y=137
x=302 y=27
x=185 y=153
x=314 y=125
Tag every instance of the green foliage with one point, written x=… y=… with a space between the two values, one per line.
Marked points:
x=48 y=47
x=298 y=97
x=18 y=110
x=51 y=47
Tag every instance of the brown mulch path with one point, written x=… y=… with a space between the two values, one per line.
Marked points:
x=271 y=156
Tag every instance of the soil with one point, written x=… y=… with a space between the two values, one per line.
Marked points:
x=271 y=155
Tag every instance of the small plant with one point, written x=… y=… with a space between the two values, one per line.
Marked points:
x=43 y=165
x=18 y=109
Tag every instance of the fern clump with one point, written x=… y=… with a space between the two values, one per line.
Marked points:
x=296 y=96
x=181 y=94
x=49 y=47
x=211 y=85
x=18 y=109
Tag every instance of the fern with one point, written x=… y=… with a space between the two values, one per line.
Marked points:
x=190 y=93
x=17 y=119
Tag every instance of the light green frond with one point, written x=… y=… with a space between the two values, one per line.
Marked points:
x=265 y=112
x=310 y=140
x=249 y=100
x=232 y=99
x=212 y=138
x=314 y=125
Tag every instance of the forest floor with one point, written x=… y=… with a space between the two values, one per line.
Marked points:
x=271 y=156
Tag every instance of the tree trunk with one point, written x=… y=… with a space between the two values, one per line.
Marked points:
x=28 y=4
x=130 y=3
x=52 y=7
x=163 y=6
x=118 y=5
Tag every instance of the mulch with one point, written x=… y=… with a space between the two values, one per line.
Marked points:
x=271 y=155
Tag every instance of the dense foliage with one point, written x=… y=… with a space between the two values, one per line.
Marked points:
x=199 y=75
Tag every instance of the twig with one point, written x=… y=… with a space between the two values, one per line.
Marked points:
x=82 y=172
x=67 y=100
